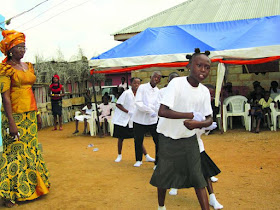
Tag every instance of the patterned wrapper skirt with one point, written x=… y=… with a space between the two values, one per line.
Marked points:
x=123 y=132
x=23 y=173
x=179 y=164
x=209 y=168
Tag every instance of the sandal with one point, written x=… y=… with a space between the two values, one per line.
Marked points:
x=60 y=128
x=10 y=203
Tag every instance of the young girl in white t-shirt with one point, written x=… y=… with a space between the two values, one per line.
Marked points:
x=184 y=107
x=105 y=109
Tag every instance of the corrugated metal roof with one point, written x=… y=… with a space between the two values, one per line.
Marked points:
x=207 y=11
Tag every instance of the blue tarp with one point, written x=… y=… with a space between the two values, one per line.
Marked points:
x=219 y=36
x=2 y=23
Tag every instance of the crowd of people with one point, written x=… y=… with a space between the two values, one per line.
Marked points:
x=163 y=113
x=175 y=116
x=259 y=100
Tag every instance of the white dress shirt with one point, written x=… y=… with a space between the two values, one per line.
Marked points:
x=146 y=100
x=127 y=100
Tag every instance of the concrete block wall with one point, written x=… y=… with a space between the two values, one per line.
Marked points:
x=235 y=76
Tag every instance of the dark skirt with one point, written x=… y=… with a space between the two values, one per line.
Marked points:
x=179 y=164
x=209 y=168
x=121 y=132
x=57 y=107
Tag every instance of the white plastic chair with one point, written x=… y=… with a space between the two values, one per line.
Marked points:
x=91 y=121
x=238 y=106
x=275 y=112
x=110 y=124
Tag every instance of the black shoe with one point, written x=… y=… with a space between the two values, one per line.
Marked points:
x=76 y=132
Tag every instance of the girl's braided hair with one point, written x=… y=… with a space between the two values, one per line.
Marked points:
x=196 y=53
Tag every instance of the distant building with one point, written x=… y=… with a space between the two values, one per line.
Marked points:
x=203 y=11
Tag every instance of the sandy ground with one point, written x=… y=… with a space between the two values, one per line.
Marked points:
x=84 y=179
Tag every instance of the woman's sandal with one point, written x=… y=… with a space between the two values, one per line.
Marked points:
x=10 y=204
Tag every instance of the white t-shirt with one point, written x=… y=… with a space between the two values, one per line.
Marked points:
x=127 y=100
x=105 y=109
x=160 y=96
x=146 y=101
x=87 y=114
x=161 y=93
x=180 y=96
x=87 y=110
x=124 y=85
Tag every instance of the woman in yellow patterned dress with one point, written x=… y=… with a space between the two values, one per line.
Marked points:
x=23 y=173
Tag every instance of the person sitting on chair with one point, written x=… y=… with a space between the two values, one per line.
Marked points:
x=84 y=117
x=256 y=109
x=265 y=103
x=105 y=110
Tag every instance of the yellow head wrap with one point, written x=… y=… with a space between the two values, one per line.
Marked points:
x=11 y=38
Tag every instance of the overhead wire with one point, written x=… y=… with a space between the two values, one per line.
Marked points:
x=57 y=15
x=41 y=14
x=24 y=12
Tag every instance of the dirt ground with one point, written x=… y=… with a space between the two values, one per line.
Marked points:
x=84 y=179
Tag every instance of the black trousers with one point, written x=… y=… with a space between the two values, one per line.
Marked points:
x=139 y=132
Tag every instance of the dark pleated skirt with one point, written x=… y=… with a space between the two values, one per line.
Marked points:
x=179 y=164
x=121 y=132
x=209 y=168
x=57 y=107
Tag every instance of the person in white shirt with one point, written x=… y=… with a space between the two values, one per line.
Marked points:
x=123 y=84
x=86 y=115
x=123 y=125
x=145 y=116
x=184 y=107
x=105 y=110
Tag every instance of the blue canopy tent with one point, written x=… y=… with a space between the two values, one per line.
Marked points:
x=246 y=39
x=240 y=39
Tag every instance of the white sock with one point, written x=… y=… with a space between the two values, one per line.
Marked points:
x=214 y=179
x=119 y=158
x=213 y=202
x=149 y=158
x=173 y=191
x=161 y=208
